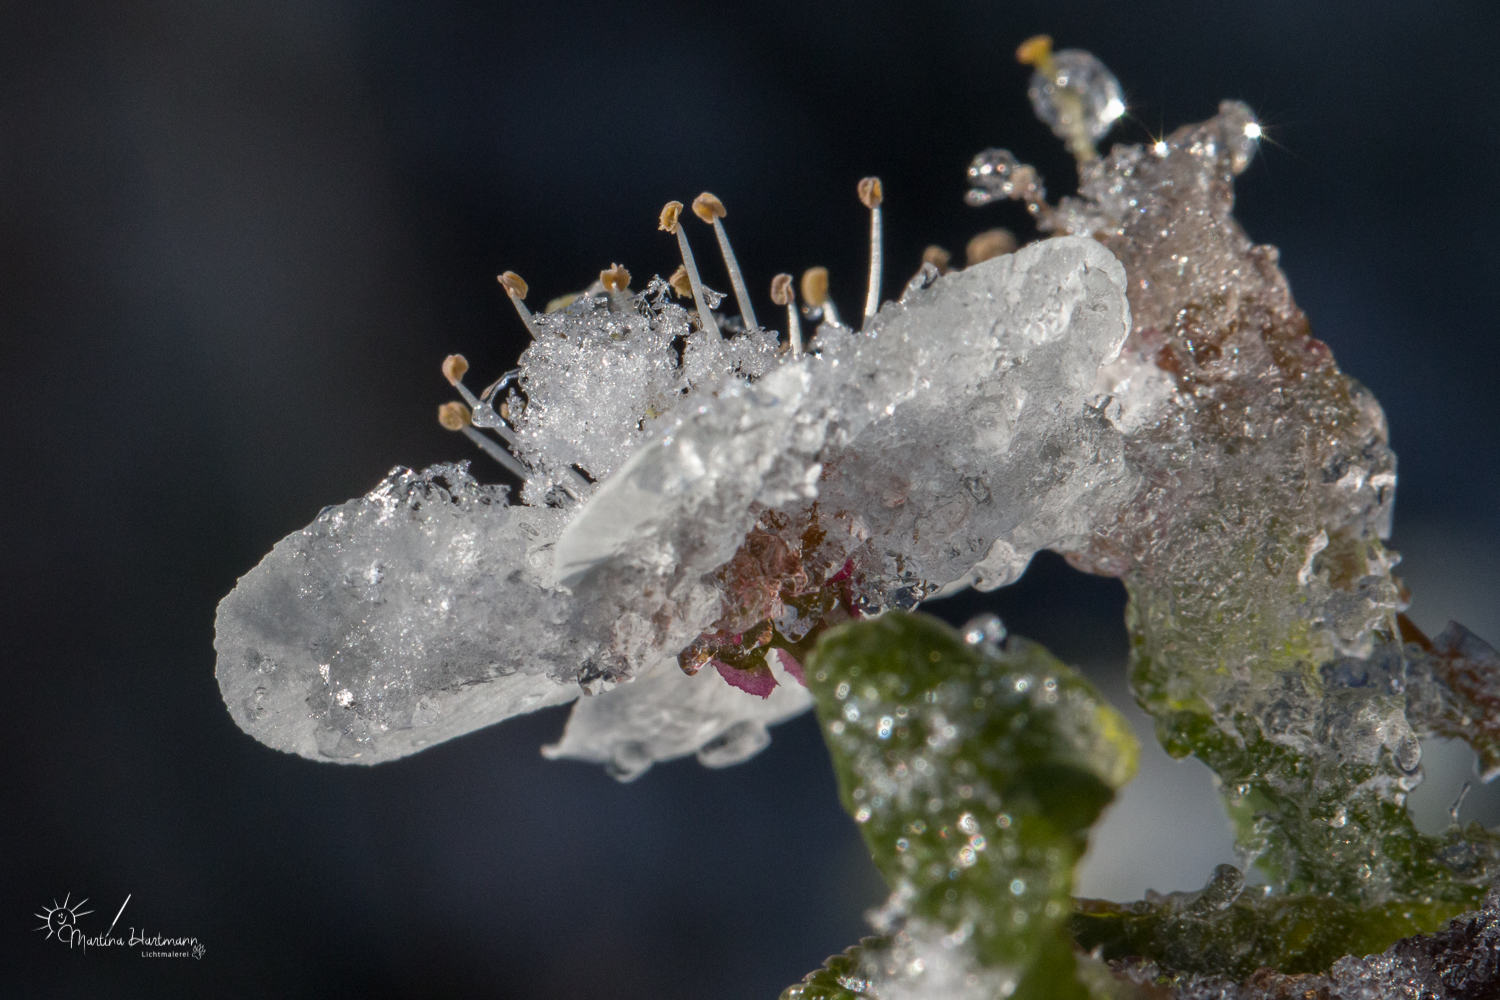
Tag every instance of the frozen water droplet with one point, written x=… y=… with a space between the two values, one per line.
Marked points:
x=1340 y=817
x=986 y=632
x=1080 y=85
x=996 y=174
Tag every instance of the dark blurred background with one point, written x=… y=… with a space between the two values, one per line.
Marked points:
x=237 y=239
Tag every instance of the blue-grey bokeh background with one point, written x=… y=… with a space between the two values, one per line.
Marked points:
x=237 y=238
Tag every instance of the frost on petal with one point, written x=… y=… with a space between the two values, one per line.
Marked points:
x=665 y=714
x=398 y=620
x=595 y=384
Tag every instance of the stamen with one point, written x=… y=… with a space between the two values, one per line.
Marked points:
x=782 y=295
x=938 y=258
x=710 y=209
x=669 y=223
x=615 y=279
x=681 y=286
x=815 y=293
x=1069 y=101
x=989 y=244
x=483 y=413
x=870 y=194
x=516 y=289
x=455 y=417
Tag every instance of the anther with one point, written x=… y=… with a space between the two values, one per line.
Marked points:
x=1037 y=51
x=710 y=209
x=516 y=289
x=669 y=222
x=615 y=278
x=782 y=295
x=681 y=286
x=815 y=293
x=989 y=244
x=454 y=367
x=938 y=258
x=455 y=417
x=871 y=195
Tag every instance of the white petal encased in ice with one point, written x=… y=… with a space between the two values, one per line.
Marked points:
x=664 y=714
x=960 y=434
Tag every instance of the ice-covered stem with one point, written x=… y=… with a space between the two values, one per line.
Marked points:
x=975 y=773
x=455 y=417
x=516 y=288
x=783 y=295
x=710 y=209
x=1221 y=930
x=670 y=216
x=871 y=195
x=1037 y=52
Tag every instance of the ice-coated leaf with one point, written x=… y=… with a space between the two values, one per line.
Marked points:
x=974 y=773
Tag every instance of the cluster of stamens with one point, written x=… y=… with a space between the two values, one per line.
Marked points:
x=477 y=414
x=1002 y=177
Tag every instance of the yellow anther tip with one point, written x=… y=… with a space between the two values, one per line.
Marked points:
x=669 y=213
x=870 y=192
x=1035 y=50
x=680 y=283
x=513 y=284
x=989 y=244
x=781 y=289
x=454 y=366
x=708 y=208
x=615 y=278
x=815 y=286
x=453 y=416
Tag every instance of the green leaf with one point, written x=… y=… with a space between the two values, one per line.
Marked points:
x=974 y=773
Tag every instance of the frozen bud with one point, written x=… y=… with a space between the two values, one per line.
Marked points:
x=615 y=278
x=454 y=366
x=989 y=244
x=869 y=192
x=708 y=208
x=669 y=213
x=781 y=289
x=815 y=286
x=513 y=284
x=681 y=284
x=453 y=416
x=937 y=257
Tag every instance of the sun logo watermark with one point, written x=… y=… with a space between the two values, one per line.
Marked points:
x=60 y=920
